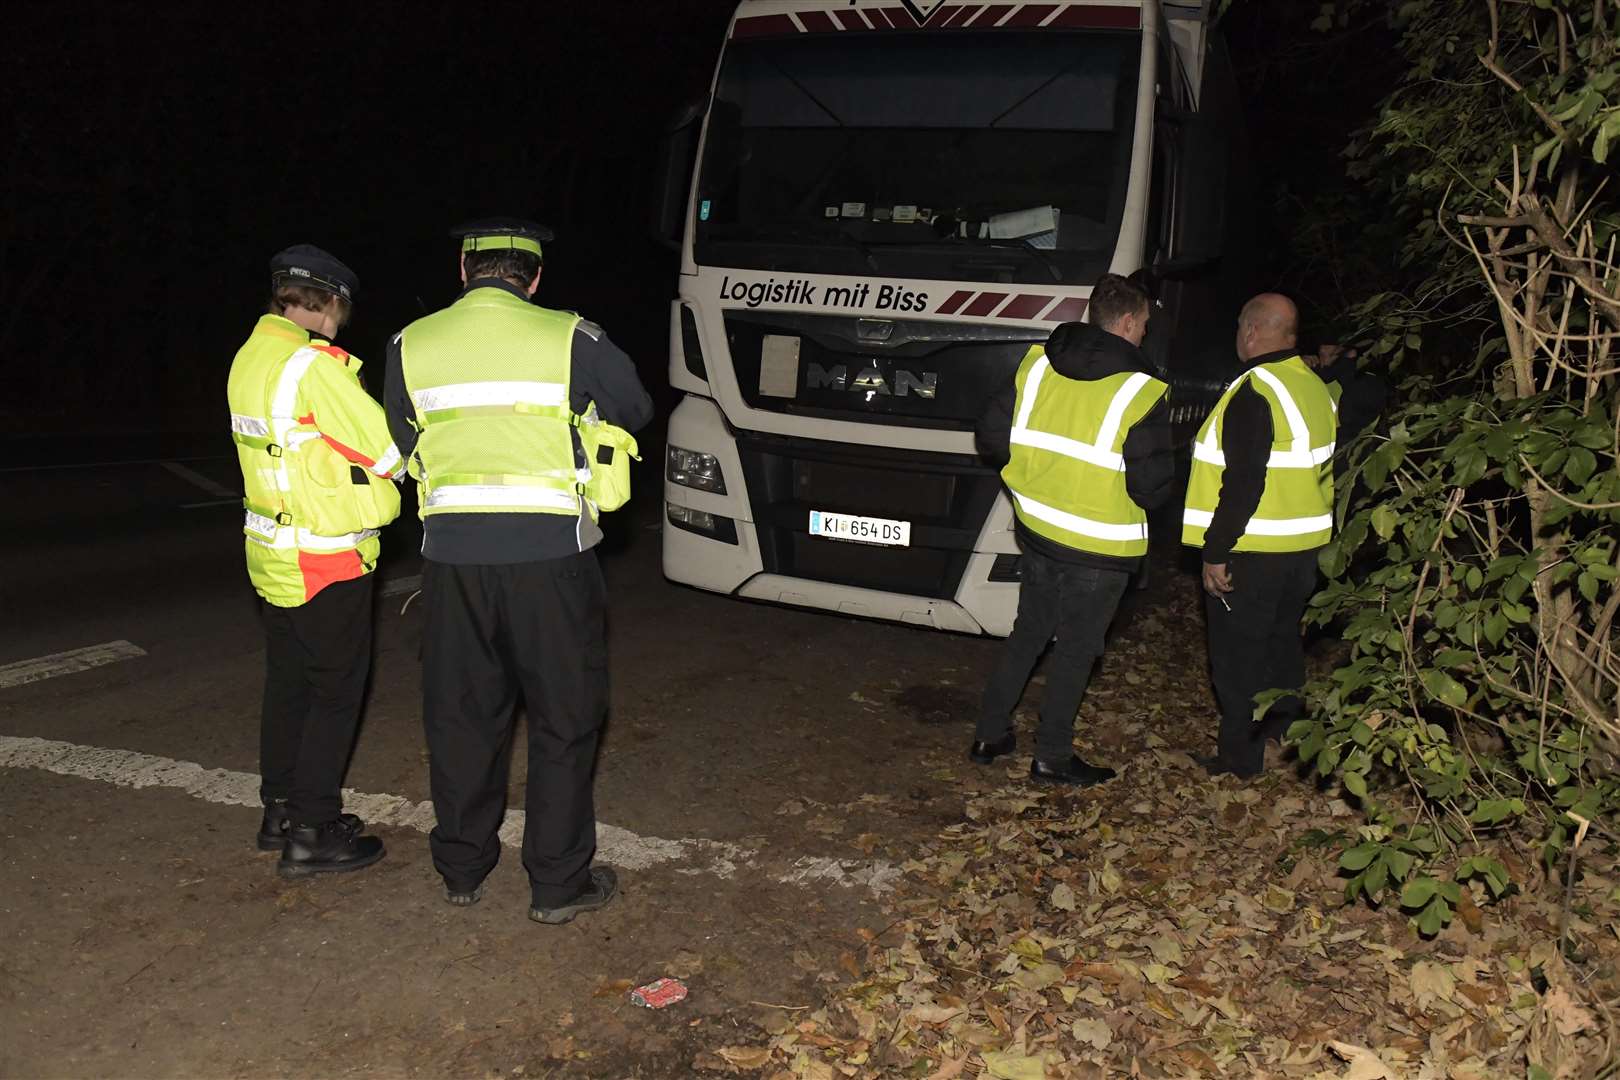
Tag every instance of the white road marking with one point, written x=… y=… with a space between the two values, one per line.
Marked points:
x=192 y=476
x=66 y=663
x=620 y=847
x=396 y=586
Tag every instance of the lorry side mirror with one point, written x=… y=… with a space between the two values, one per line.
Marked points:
x=678 y=152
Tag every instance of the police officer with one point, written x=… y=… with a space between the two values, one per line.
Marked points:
x=1084 y=435
x=1260 y=504
x=317 y=468
x=482 y=397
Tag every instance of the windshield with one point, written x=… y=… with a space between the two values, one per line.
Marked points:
x=972 y=156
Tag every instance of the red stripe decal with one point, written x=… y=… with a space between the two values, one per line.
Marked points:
x=348 y=452
x=757 y=25
x=1031 y=14
x=955 y=13
x=957 y=299
x=1025 y=306
x=888 y=17
x=985 y=304
x=1100 y=15
x=817 y=22
x=994 y=13
x=1068 y=311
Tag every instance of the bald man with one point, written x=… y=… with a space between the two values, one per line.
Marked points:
x=1260 y=505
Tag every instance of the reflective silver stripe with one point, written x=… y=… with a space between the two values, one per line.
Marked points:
x=1073 y=448
x=1279 y=459
x=1266 y=526
x=284 y=405
x=1100 y=530
x=1298 y=433
x=258 y=523
x=1032 y=387
x=1100 y=452
x=503 y=495
x=265 y=531
x=249 y=425
x=299 y=438
x=1300 y=455
x=1116 y=408
x=387 y=463
x=317 y=542
x=470 y=395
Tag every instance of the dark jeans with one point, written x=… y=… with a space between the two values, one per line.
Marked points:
x=316 y=659
x=1256 y=646
x=1075 y=602
x=534 y=630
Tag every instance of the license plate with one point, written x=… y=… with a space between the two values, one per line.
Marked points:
x=862 y=530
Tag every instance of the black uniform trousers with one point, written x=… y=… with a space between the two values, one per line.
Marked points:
x=316 y=660
x=1077 y=603
x=1255 y=645
x=495 y=633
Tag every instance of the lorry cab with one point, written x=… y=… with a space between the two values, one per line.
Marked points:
x=881 y=207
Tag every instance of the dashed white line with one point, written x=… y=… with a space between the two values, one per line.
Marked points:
x=66 y=663
x=192 y=476
x=620 y=847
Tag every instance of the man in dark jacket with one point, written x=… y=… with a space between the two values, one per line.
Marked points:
x=1084 y=440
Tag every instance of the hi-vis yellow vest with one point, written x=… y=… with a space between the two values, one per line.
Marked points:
x=317 y=462
x=1067 y=469
x=488 y=378
x=1296 y=508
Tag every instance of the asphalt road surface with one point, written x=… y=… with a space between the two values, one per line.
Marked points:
x=764 y=773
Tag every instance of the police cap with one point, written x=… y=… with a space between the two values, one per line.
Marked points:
x=306 y=264
x=502 y=233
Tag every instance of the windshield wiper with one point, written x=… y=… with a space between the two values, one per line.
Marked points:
x=1024 y=245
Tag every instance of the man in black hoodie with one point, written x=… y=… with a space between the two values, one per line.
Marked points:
x=1083 y=438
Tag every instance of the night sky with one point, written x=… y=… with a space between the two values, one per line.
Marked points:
x=159 y=153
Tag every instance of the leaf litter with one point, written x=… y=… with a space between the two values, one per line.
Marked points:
x=1170 y=925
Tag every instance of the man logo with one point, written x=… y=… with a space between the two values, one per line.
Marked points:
x=870 y=381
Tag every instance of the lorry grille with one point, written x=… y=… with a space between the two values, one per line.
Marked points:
x=888 y=371
x=945 y=497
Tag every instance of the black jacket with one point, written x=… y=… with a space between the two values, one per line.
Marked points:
x=1085 y=353
x=600 y=372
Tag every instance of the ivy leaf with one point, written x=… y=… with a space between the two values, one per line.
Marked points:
x=1580 y=466
x=1383 y=521
x=1445 y=688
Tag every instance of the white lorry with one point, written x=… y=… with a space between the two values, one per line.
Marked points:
x=880 y=205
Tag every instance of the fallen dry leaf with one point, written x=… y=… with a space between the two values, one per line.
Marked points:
x=1364 y=1064
x=1012 y=1065
x=746 y=1057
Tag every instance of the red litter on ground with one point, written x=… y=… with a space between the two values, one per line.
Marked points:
x=658 y=994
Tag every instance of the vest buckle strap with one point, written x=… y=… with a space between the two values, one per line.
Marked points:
x=284 y=518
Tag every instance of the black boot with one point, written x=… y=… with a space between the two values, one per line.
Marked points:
x=984 y=752
x=1074 y=772
x=327 y=848
x=273 y=829
x=603 y=886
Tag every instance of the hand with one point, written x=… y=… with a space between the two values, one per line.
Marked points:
x=1217 y=580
